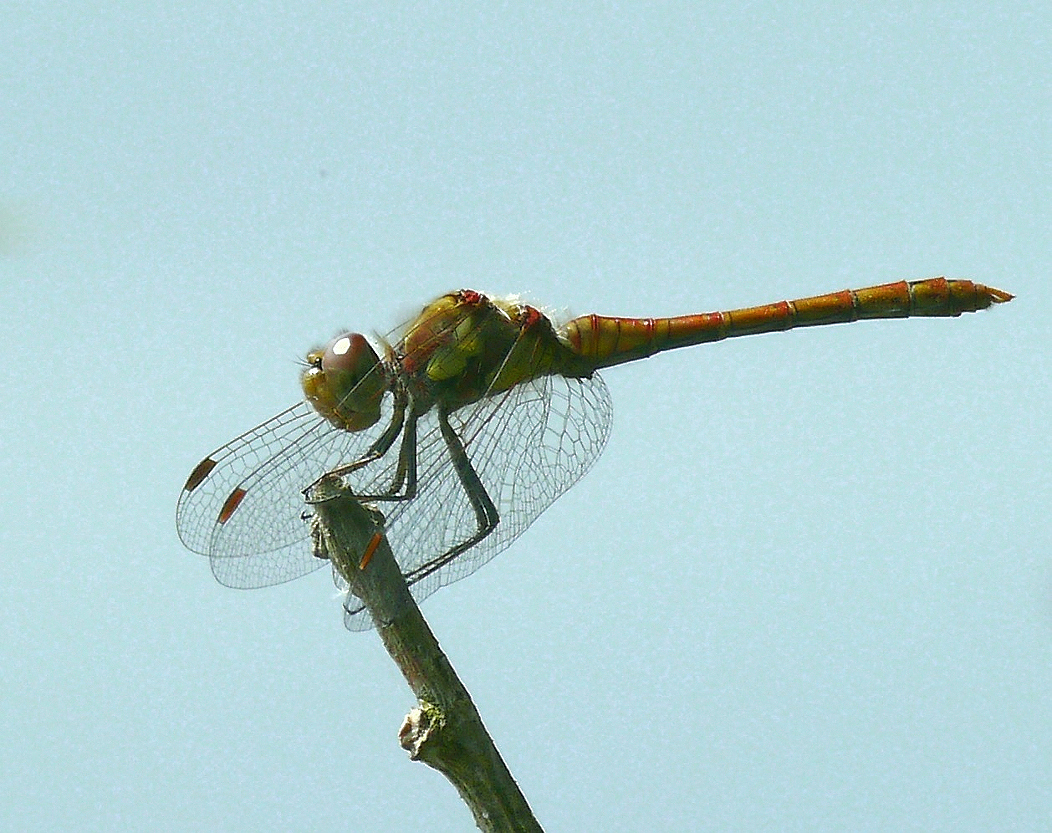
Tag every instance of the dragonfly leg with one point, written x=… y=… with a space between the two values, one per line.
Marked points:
x=486 y=514
x=378 y=449
x=380 y=446
x=405 y=474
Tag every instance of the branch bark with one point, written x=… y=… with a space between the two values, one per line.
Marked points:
x=445 y=730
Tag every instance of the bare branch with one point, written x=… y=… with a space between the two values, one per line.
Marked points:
x=445 y=731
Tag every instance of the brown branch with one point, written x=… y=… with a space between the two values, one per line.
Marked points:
x=444 y=730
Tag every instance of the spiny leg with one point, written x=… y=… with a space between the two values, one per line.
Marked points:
x=406 y=471
x=486 y=515
x=379 y=448
x=405 y=474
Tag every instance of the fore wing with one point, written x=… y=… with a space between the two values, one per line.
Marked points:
x=528 y=446
x=258 y=479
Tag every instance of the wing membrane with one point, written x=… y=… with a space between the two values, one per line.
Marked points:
x=528 y=446
x=264 y=540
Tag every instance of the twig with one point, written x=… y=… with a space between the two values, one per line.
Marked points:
x=444 y=730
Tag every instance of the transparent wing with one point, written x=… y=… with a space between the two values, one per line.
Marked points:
x=265 y=541
x=528 y=446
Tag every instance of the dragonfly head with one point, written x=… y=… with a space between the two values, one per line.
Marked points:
x=345 y=383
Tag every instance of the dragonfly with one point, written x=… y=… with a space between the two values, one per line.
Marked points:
x=465 y=424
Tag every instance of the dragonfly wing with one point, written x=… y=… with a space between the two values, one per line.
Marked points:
x=528 y=446
x=255 y=483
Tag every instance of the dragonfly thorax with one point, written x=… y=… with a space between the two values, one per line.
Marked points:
x=345 y=382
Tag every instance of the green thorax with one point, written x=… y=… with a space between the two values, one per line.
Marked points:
x=465 y=346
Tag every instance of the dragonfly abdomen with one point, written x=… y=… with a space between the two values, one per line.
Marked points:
x=602 y=341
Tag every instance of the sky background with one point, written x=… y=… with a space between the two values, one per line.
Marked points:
x=808 y=586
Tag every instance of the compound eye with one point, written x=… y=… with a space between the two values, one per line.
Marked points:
x=354 y=376
x=349 y=354
x=345 y=381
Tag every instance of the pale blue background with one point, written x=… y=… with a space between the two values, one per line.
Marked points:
x=808 y=586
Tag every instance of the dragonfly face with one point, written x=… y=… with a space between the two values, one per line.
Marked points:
x=345 y=382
